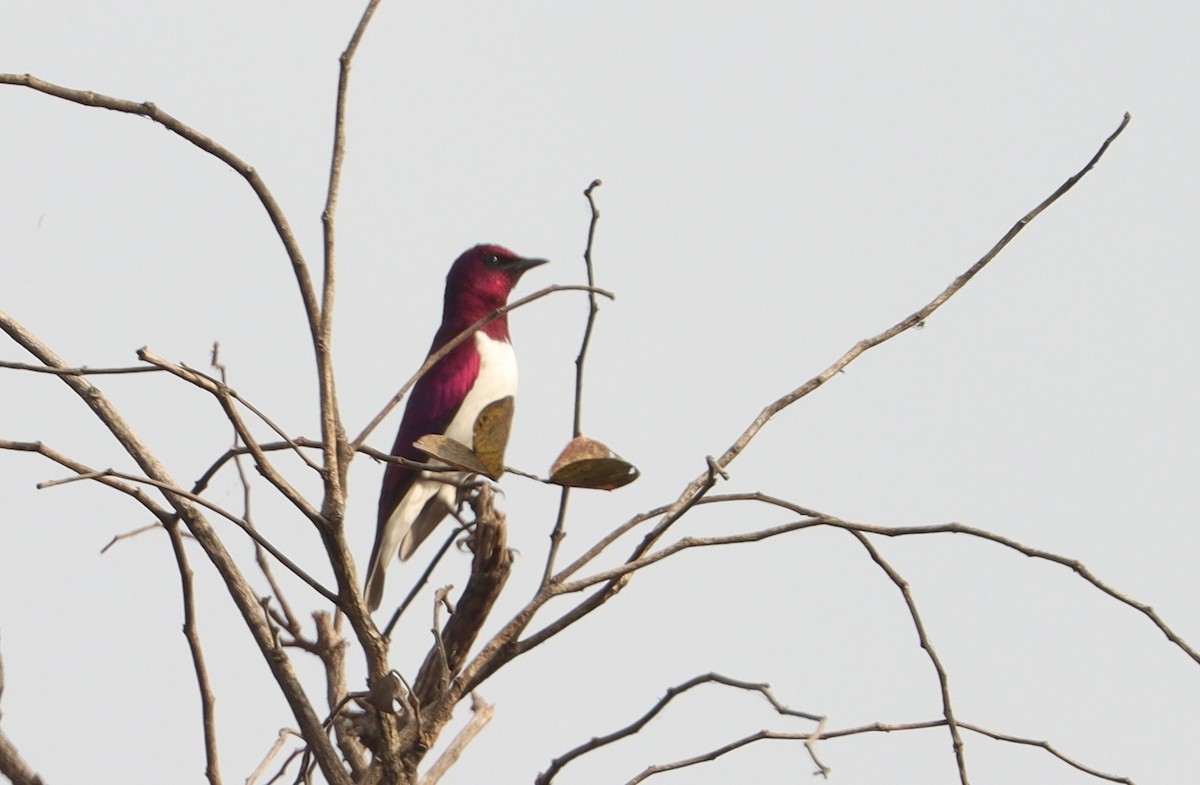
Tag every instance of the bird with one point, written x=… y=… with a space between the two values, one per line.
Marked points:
x=447 y=400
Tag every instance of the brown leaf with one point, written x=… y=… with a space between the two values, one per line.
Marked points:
x=491 y=437
x=492 y=427
x=451 y=452
x=587 y=463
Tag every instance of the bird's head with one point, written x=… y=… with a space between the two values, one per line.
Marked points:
x=484 y=275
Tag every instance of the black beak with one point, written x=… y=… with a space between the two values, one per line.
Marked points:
x=518 y=266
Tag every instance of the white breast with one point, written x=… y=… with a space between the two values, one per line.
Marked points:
x=497 y=379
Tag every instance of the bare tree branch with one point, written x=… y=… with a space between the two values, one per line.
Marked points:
x=239 y=589
x=225 y=399
x=212 y=768
x=593 y=305
x=333 y=433
x=481 y=714
x=877 y=727
x=703 y=481
x=504 y=645
x=927 y=645
x=331 y=649
x=821 y=519
x=171 y=490
x=636 y=726
x=1048 y=747
x=270 y=756
x=489 y=571
x=558 y=532
x=83 y=470
x=81 y=371
x=207 y=145
x=12 y=765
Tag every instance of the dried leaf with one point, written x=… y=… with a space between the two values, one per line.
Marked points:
x=492 y=427
x=587 y=463
x=451 y=452
x=491 y=437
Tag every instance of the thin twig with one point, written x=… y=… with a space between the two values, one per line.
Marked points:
x=481 y=714
x=212 y=768
x=235 y=582
x=223 y=396
x=12 y=765
x=337 y=157
x=271 y=753
x=241 y=524
x=260 y=553
x=636 y=726
x=207 y=145
x=559 y=532
x=700 y=484
x=927 y=645
x=448 y=347
x=593 y=305
x=82 y=469
x=421 y=581
x=129 y=535
x=876 y=727
x=822 y=519
x=81 y=371
x=300 y=441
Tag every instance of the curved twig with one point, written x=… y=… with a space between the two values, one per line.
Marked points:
x=634 y=727
x=699 y=485
x=447 y=347
x=206 y=144
x=927 y=645
x=877 y=727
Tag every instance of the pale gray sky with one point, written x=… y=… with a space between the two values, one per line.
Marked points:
x=781 y=180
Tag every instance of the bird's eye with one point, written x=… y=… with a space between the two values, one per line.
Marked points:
x=493 y=260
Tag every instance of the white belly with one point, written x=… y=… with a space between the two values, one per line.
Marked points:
x=497 y=379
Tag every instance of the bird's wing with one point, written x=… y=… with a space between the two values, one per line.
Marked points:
x=432 y=404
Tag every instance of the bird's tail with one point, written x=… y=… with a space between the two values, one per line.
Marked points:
x=375 y=583
x=402 y=532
